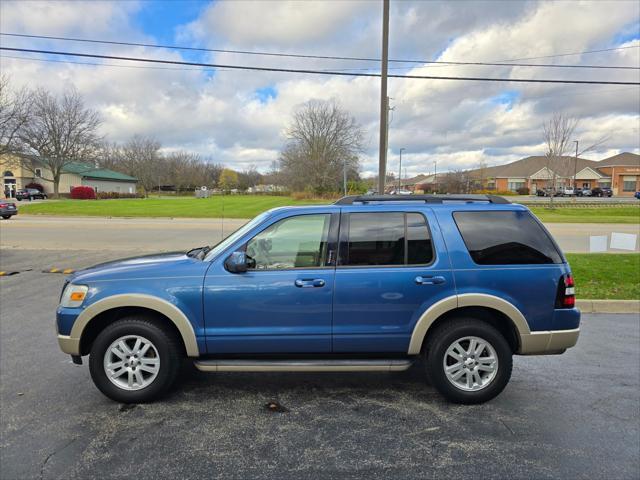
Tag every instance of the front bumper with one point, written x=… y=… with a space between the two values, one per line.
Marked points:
x=548 y=342
x=69 y=345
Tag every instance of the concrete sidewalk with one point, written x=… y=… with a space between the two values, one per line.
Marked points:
x=608 y=306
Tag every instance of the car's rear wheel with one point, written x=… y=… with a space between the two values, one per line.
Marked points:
x=6 y=217
x=135 y=360
x=468 y=361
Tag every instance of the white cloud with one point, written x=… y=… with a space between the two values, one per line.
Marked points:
x=457 y=124
x=59 y=17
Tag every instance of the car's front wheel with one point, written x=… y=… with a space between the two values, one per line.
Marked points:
x=135 y=360
x=468 y=361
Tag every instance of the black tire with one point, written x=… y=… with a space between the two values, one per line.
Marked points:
x=6 y=217
x=445 y=336
x=169 y=351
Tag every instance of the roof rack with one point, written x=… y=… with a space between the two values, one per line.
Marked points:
x=351 y=199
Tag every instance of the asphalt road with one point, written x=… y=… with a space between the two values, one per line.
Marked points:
x=571 y=416
x=152 y=235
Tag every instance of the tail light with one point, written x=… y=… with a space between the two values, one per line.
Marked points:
x=4 y=205
x=566 y=297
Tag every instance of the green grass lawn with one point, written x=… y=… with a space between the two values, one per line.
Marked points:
x=248 y=206
x=625 y=214
x=606 y=275
x=235 y=206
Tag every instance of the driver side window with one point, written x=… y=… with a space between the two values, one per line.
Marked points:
x=294 y=242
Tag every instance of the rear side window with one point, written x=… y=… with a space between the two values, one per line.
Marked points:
x=392 y=238
x=505 y=238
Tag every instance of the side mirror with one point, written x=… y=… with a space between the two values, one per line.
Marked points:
x=237 y=262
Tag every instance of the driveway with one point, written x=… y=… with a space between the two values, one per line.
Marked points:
x=570 y=416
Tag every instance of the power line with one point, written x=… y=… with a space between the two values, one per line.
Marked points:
x=204 y=69
x=315 y=72
x=500 y=63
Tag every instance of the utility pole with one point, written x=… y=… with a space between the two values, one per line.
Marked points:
x=575 y=167
x=400 y=170
x=384 y=101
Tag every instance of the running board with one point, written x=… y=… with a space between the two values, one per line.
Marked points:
x=384 y=365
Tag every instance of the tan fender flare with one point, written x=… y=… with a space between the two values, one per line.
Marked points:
x=150 y=302
x=445 y=305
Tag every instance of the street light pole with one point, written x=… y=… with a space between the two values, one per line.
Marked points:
x=400 y=170
x=383 y=98
x=344 y=171
x=575 y=167
x=435 y=175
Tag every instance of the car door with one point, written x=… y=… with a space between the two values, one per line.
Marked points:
x=392 y=265
x=283 y=303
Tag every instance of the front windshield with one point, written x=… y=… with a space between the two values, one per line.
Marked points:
x=215 y=251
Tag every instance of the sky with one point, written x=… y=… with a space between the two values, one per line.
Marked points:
x=240 y=118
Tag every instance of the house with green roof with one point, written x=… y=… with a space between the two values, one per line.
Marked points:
x=15 y=176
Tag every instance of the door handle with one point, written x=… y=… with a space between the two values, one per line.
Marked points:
x=437 y=280
x=309 y=283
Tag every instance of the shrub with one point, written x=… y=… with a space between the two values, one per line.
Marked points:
x=35 y=185
x=523 y=191
x=112 y=195
x=500 y=193
x=83 y=193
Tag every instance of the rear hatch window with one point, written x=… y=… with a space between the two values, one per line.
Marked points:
x=506 y=238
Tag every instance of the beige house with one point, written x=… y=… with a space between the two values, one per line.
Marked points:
x=15 y=176
x=621 y=173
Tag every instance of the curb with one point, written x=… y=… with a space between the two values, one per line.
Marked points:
x=608 y=306
x=64 y=271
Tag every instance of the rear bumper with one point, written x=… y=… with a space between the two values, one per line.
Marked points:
x=548 y=342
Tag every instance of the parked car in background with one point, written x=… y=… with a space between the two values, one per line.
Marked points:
x=583 y=192
x=30 y=194
x=567 y=191
x=601 y=192
x=7 y=209
x=548 y=192
x=637 y=195
x=401 y=192
x=370 y=283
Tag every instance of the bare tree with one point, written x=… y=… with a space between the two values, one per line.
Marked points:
x=481 y=174
x=109 y=155
x=14 y=114
x=249 y=178
x=324 y=140
x=60 y=131
x=185 y=170
x=141 y=159
x=559 y=138
x=456 y=181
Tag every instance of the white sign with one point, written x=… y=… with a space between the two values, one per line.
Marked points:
x=623 y=241
x=598 y=243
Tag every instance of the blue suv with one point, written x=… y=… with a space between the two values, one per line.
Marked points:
x=371 y=283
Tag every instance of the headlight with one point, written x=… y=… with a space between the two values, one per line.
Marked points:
x=73 y=295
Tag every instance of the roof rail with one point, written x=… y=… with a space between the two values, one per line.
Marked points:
x=351 y=199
